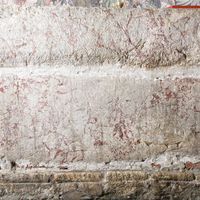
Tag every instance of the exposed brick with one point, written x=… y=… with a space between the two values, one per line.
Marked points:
x=77 y=177
x=115 y=176
x=174 y=176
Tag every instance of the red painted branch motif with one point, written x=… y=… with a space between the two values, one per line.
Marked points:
x=191 y=165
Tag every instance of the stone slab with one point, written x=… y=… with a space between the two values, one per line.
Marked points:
x=103 y=189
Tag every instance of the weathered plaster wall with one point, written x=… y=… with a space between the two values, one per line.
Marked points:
x=92 y=3
x=99 y=90
x=56 y=113
x=62 y=35
x=54 y=116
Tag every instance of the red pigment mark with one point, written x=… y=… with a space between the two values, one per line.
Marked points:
x=158 y=166
x=98 y=143
x=58 y=152
x=169 y=94
x=54 y=14
x=120 y=130
x=20 y=2
x=42 y=104
x=1 y=90
x=49 y=150
x=155 y=99
x=184 y=7
x=190 y=165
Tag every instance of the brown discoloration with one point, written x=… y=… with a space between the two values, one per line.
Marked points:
x=2 y=89
x=155 y=165
x=99 y=143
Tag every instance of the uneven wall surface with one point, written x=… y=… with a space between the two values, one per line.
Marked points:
x=53 y=116
x=93 y=3
x=83 y=36
x=99 y=91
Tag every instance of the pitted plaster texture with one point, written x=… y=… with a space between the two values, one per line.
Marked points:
x=80 y=36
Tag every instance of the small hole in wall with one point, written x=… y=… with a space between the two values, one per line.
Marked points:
x=121 y=5
x=50 y=179
x=13 y=165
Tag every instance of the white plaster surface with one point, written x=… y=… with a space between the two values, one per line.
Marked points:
x=93 y=36
x=64 y=116
x=61 y=105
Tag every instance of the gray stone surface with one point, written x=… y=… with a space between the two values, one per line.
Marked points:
x=124 y=185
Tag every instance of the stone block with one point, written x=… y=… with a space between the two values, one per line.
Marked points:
x=77 y=177
x=174 y=176
x=123 y=176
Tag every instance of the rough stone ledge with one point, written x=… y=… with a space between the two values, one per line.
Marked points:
x=78 y=36
x=29 y=184
x=65 y=176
